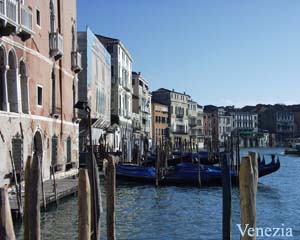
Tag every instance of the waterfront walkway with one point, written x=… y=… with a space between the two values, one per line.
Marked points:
x=64 y=188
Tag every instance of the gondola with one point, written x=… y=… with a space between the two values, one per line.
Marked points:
x=178 y=157
x=186 y=174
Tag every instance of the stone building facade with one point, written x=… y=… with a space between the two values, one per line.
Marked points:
x=121 y=93
x=196 y=124
x=225 y=126
x=141 y=105
x=178 y=114
x=39 y=66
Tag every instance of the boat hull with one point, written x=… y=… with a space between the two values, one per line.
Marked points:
x=186 y=174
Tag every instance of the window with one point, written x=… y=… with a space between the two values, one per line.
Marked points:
x=17 y=152
x=40 y=96
x=133 y=81
x=38 y=17
x=54 y=146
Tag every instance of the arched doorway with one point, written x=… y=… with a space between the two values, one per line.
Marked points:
x=2 y=79
x=24 y=87
x=12 y=87
x=38 y=144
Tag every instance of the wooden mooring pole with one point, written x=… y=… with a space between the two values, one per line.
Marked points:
x=157 y=165
x=6 y=223
x=32 y=200
x=84 y=206
x=226 y=182
x=248 y=178
x=111 y=199
x=17 y=186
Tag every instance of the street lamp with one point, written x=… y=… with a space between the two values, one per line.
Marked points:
x=81 y=105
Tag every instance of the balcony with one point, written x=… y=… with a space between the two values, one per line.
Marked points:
x=180 y=115
x=56 y=112
x=127 y=86
x=8 y=16
x=56 y=45
x=127 y=114
x=76 y=62
x=25 y=30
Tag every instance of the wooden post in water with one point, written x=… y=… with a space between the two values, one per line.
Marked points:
x=84 y=205
x=248 y=187
x=35 y=183
x=157 y=165
x=27 y=199
x=6 y=223
x=54 y=184
x=18 y=192
x=226 y=182
x=32 y=200
x=95 y=196
x=111 y=199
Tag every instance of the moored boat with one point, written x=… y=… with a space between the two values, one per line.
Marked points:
x=187 y=174
x=293 y=149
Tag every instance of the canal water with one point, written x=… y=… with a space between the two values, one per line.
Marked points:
x=147 y=212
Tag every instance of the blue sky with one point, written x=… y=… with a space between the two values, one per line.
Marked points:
x=219 y=52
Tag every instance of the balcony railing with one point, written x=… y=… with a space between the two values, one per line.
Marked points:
x=56 y=45
x=179 y=115
x=76 y=62
x=56 y=111
x=12 y=11
x=127 y=86
x=26 y=27
x=8 y=16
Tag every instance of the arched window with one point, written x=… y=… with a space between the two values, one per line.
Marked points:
x=3 y=92
x=24 y=87
x=12 y=86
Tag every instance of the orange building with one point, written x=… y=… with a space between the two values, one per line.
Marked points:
x=160 y=125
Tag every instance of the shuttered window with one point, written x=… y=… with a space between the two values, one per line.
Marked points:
x=54 y=144
x=17 y=152
x=69 y=150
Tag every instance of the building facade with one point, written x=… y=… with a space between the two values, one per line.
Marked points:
x=121 y=93
x=285 y=127
x=178 y=114
x=245 y=121
x=196 y=127
x=160 y=122
x=141 y=103
x=39 y=66
x=225 y=127
x=94 y=84
x=245 y=124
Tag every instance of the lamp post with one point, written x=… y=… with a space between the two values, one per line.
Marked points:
x=84 y=106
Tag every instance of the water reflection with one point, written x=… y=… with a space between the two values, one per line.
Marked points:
x=147 y=212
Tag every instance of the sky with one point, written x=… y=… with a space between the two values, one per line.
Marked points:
x=219 y=52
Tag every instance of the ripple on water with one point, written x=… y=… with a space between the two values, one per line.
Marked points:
x=147 y=212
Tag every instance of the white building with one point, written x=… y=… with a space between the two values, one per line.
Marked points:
x=225 y=125
x=142 y=103
x=196 y=124
x=121 y=93
x=245 y=121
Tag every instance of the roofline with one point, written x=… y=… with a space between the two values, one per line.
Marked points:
x=165 y=89
x=115 y=41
